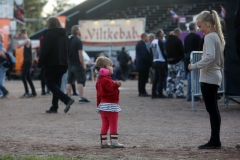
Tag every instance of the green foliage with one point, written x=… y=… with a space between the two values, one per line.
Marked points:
x=51 y=157
x=33 y=15
x=33 y=9
x=58 y=7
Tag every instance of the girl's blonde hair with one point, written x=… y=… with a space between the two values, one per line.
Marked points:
x=213 y=18
x=101 y=62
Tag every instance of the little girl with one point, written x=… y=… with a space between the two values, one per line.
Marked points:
x=107 y=102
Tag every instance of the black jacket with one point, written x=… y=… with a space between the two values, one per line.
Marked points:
x=54 y=49
x=237 y=29
x=143 y=57
x=174 y=49
x=123 y=58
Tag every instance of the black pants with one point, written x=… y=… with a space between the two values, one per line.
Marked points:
x=209 y=92
x=124 y=71
x=26 y=77
x=53 y=78
x=142 y=80
x=158 y=78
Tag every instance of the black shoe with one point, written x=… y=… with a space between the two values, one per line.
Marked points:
x=51 y=111
x=83 y=100
x=5 y=94
x=162 y=96
x=33 y=95
x=154 y=96
x=211 y=145
x=43 y=93
x=170 y=96
x=144 y=95
x=74 y=94
x=68 y=105
x=195 y=99
x=25 y=95
x=181 y=97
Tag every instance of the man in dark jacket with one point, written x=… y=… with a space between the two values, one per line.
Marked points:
x=54 y=59
x=143 y=64
x=191 y=43
x=175 y=56
x=237 y=29
x=237 y=37
x=123 y=59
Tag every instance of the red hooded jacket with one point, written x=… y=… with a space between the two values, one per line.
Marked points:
x=107 y=90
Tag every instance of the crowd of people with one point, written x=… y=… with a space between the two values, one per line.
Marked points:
x=170 y=63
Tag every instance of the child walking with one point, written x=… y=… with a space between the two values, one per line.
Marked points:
x=107 y=102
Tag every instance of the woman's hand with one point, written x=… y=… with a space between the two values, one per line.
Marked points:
x=189 y=67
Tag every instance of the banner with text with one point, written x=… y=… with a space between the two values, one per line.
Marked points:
x=118 y=30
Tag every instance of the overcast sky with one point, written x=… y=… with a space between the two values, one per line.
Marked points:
x=48 y=6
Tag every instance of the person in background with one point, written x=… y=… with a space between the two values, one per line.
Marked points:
x=159 y=65
x=191 y=43
x=237 y=38
x=76 y=64
x=2 y=70
x=151 y=37
x=175 y=56
x=143 y=64
x=123 y=59
x=54 y=59
x=27 y=62
x=43 y=84
x=211 y=66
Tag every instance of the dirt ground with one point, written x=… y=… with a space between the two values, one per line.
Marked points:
x=150 y=129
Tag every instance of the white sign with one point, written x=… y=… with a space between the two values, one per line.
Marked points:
x=118 y=30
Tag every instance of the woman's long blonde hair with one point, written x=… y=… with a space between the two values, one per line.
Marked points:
x=214 y=19
x=101 y=62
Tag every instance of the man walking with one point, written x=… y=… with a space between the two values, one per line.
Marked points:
x=175 y=55
x=159 y=65
x=76 y=65
x=191 y=43
x=143 y=64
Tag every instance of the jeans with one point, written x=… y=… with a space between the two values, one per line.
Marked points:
x=2 y=77
x=209 y=92
x=26 y=77
x=53 y=78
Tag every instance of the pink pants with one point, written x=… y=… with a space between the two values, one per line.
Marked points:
x=109 y=120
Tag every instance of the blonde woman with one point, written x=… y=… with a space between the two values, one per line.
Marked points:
x=211 y=66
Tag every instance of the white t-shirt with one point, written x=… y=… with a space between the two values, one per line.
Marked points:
x=157 y=53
